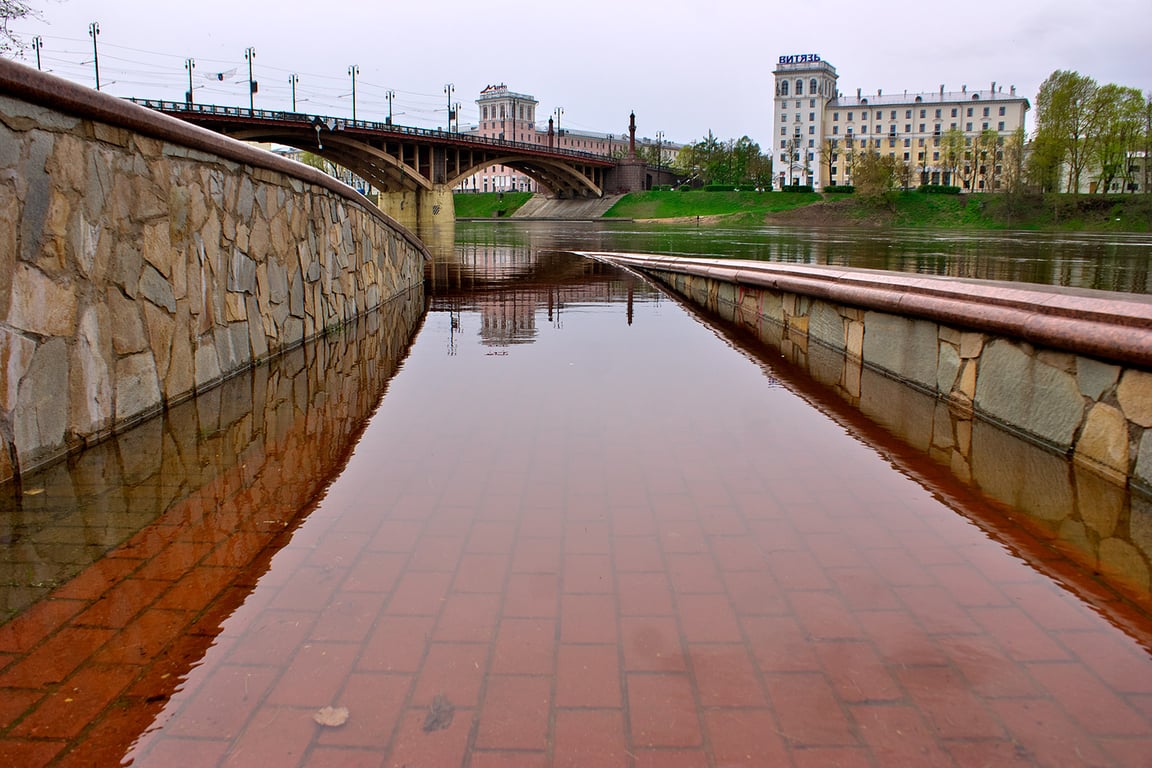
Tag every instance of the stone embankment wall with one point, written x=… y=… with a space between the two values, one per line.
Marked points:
x=1070 y=370
x=143 y=260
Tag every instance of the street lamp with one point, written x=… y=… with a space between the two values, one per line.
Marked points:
x=94 y=32
x=37 y=44
x=249 y=54
x=189 y=64
x=559 y=142
x=660 y=148
x=353 y=71
x=292 y=80
x=448 y=90
x=390 y=94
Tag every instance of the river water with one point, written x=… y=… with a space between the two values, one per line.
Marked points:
x=571 y=522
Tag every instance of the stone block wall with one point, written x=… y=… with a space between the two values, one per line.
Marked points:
x=143 y=260
x=1086 y=392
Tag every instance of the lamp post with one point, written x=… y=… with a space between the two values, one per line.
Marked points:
x=448 y=90
x=457 y=117
x=559 y=134
x=390 y=94
x=353 y=71
x=249 y=54
x=189 y=64
x=292 y=80
x=37 y=44
x=660 y=148
x=94 y=32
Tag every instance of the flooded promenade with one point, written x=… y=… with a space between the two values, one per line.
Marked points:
x=569 y=522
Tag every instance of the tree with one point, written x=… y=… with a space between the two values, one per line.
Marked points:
x=1119 y=120
x=735 y=161
x=875 y=175
x=1013 y=176
x=1064 y=123
x=10 y=11
x=952 y=149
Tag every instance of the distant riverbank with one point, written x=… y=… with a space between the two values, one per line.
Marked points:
x=1121 y=213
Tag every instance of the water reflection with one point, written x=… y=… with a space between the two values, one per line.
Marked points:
x=1111 y=261
x=123 y=562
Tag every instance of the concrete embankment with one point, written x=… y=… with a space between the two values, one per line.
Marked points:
x=143 y=260
x=1067 y=369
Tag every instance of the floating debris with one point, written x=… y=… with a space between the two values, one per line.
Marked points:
x=439 y=714
x=332 y=717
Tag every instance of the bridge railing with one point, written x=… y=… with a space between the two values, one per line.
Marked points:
x=342 y=123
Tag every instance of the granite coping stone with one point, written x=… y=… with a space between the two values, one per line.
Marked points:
x=47 y=90
x=1101 y=324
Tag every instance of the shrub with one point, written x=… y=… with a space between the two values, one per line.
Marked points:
x=796 y=188
x=937 y=189
x=719 y=187
x=842 y=189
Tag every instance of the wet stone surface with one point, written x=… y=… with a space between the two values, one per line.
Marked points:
x=571 y=524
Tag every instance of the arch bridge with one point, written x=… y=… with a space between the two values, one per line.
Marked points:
x=415 y=169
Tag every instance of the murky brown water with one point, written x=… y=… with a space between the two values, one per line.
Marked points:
x=571 y=524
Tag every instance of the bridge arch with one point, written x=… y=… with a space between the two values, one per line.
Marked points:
x=559 y=177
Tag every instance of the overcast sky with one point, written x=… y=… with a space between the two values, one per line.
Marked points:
x=684 y=67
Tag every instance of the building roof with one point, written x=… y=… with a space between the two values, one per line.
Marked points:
x=880 y=99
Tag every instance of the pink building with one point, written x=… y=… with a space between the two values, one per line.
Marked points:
x=511 y=116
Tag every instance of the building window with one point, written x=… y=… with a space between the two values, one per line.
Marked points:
x=921 y=127
x=907 y=142
x=863 y=129
x=833 y=169
x=783 y=87
x=986 y=109
x=920 y=142
x=953 y=111
x=923 y=114
x=812 y=102
x=812 y=85
x=969 y=112
x=905 y=157
x=907 y=128
x=935 y=156
x=984 y=125
x=849 y=117
x=893 y=116
x=1000 y=126
x=938 y=114
x=864 y=115
x=811 y=115
x=783 y=117
x=811 y=130
x=892 y=130
x=968 y=126
x=799 y=87
x=783 y=131
x=835 y=130
x=835 y=116
x=1001 y=111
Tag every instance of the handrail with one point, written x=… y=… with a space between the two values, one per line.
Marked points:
x=341 y=123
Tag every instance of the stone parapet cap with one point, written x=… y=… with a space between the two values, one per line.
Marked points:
x=52 y=92
x=1101 y=324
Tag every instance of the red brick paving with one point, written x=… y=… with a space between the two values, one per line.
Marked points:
x=720 y=620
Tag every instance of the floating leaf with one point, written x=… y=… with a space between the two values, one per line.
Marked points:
x=332 y=717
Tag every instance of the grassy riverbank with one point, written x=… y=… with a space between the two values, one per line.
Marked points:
x=1120 y=213
x=488 y=205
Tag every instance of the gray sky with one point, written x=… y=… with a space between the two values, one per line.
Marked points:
x=684 y=67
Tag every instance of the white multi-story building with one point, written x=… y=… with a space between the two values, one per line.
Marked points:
x=817 y=130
